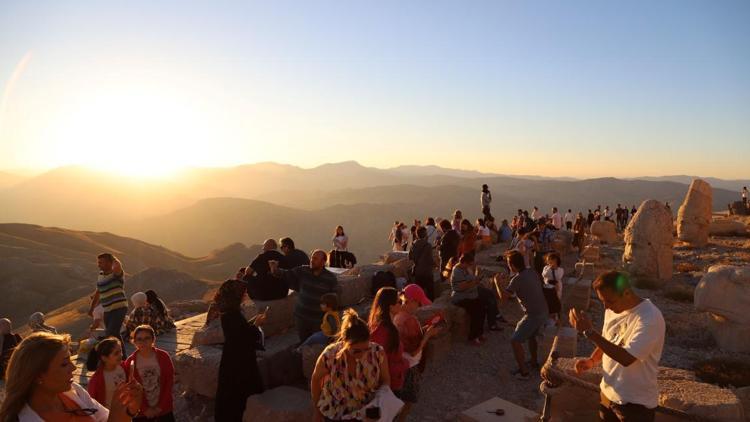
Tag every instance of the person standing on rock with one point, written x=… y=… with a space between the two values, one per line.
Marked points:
x=629 y=349
x=110 y=292
x=556 y=219
x=421 y=255
x=744 y=196
x=579 y=232
x=239 y=375
x=448 y=245
x=312 y=282
x=526 y=287
x=569 y=219
x=486 y=199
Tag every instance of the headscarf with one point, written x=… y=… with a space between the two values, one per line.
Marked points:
x=36 y=323
x=139 y=299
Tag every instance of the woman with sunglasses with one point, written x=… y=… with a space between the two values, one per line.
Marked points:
x=39 y=387
x=153 y=369
x=348 y=373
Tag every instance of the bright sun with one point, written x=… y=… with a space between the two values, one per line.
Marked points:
x=133 y=133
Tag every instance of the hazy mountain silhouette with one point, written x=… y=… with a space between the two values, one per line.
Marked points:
x=42 y=268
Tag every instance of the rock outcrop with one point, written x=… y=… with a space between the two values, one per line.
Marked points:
x=280 y=404
x=648 y=242
x=727 y=227
x=605 y=231
x=694 y=216
x=724 y=292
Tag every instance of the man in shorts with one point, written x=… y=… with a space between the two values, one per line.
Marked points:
x=526 y=287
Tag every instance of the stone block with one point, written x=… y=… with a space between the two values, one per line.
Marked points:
x=727 y=227
x=402 y=267
x=545 y=344
x=310 y=356
x=280 y=316
x=730 y=336
x=725 y=291
x=352 y=289
x=392 y=256
x=576 y=295
x=437 y=348
x=605 y=231
x=280 y=404
x=565 y=344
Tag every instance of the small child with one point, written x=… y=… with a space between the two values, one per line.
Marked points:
x=553 y=279
x=110 y=371
x=329 y=327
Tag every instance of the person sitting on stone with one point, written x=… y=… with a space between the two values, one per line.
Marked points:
x=36 y=323
x=261 y=285
x=629 y=349
x=293 y=257
x=312 y=282
x=8 y=342
x=505 y=233
x=331 y=324
x=165 y=321
x=348 y=373
x=468 y=238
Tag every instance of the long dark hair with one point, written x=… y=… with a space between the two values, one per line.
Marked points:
x=380 y=314
x=229 y=296
x=153 y=299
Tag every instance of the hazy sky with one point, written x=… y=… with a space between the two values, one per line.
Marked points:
x=565 y=88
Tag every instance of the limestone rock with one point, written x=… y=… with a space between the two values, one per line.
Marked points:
x=727 y=227
x=392 y=256
x=729 y=335
x=280 y=404
x=210 y=333
x=648 y=242
x=562 y=241
x=605 y=231
x=352 y=289
x=310 y=356
x=401 y=268
x=694 y=216
x=197 y=369
x=280 y=317
x=725 y=291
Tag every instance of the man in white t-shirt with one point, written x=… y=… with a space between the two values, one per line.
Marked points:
x=629 y=350
x=569 y=219
x=556 y=218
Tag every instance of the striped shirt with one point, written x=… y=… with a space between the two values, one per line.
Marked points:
x=111 y=288
x=310 y=287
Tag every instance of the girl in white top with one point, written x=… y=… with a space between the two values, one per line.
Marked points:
x=340 y=240
x=40 y=387
x=552 y=274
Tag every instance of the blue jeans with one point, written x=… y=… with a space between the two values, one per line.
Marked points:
x=316 y=338
x=113 y=325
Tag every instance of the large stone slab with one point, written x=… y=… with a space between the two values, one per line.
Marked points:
x=280 y=404
x=694 y=215
x=197 y=368
x=727 y=227
x=576 y=294
x=605 y=231
x=310 y=356
x=678 y=390
x=280 y=317
x=352 y=289
x=725 y=291
x=648 y=242
x=730 y=336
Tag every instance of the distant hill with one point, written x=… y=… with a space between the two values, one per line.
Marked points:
x=9 y=179
x=731 y=185
x=46 y=267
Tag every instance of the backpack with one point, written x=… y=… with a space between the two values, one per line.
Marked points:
x=382 y=279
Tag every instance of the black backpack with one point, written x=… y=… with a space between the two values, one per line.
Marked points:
x=382 y=279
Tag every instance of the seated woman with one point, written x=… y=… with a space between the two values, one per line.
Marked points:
x=36 y=323
x=484 y=238
x=468 y=238
x=145 y=314
x=38 y=387
x=384 y=332
x=161 y=311
x=8 y=342
x=348 y=373
x=153 y=369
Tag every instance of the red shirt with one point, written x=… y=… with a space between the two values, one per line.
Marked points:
x=397 y=365
x=409 y=331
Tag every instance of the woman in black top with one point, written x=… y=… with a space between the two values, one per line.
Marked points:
x=239 y=376
x=8 y=342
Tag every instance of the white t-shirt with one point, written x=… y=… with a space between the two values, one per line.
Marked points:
x=640 y=331
x=547 y=275
x=150 y=372
x=111 y=380
x=80 y=396
x=484 y=231
x=432 y=234
x=557 y=220
x=536 y=214
x=569 y=218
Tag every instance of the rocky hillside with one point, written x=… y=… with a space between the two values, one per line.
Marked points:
x=43 y=268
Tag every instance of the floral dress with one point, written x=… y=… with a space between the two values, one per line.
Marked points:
x=343 y=395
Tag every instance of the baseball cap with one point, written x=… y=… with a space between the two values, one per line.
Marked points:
x=414 y=292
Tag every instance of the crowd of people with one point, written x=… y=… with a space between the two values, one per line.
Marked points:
x=377 y=359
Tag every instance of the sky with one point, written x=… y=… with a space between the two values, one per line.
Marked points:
x=574 y=88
